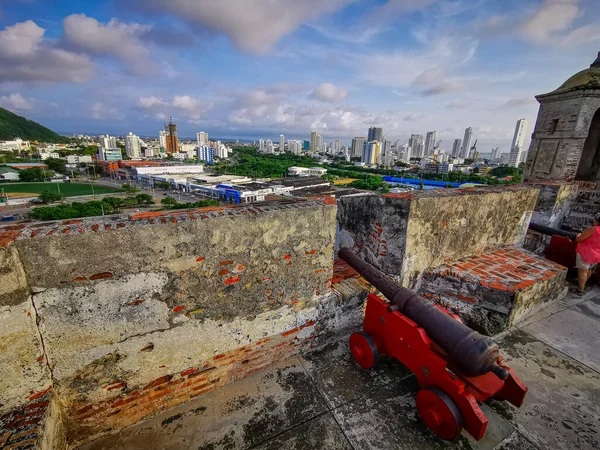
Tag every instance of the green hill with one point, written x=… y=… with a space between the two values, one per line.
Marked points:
x=12 y=126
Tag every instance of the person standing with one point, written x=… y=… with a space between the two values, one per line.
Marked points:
x=587 y=252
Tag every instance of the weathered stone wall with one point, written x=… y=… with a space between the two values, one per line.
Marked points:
x=404 y=234
x=556 y=155
x=23 y=370
x=142 y=312
x=554 y=202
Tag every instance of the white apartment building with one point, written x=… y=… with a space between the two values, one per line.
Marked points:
x=516 y=148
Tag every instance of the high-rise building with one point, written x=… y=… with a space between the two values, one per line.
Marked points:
x=314 y=141
x=202 y=139
x=172 y=137
x=370 y=154
x=495 y=153
x=466 y=145
x=206 y=153
x=375 y=134
x=319 y=143
x=336 y=147
x=162 y=140
x=430 y=142
x=357 y=147
x=108 y=141
x=416 y=144
x=456 y=148
x=281 y=143
x=133 y=146
x=404 y=153
x=294 y=147
x=517 y=144
x=386 y=153
x=269 y=146
x=261 y=145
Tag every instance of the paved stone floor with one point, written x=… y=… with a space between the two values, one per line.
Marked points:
x=323 y=400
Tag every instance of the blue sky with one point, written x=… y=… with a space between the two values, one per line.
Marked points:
x=258 y=68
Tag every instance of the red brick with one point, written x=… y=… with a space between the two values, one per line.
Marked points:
x=200 y=259
x=40 y=394
x=232 y=280
x=178 y=308
x=122 y=402
x=102 y=275
x=225 y=263
x=223 y=272
x=287 y=257
x=158 y=382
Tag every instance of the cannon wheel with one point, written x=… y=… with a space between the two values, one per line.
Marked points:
x=364 y=350
x=439 y=412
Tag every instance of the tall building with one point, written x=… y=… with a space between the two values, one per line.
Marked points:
x=133 y=146
x=517 y=144
x=162 y=140
x=261 y=145
x=269 y=146
x=206 y=153
x=370 y=154
x=375 y=134
x=319 y=143
x=336 y=147
x=202 y=139
x=314 y=142
x=109 y=154
x=495 y=153
x=172 y=137
x=456 y=148
x=404 y=153
x=357 y=147
x=430 y=142
x=417 y=146
x=281 y=143
x=294 y=147
x=466 y=146
x=386 y=153
x=108 y=141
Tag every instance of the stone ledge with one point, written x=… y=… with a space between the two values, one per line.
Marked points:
x=11 y=233
x=494 y=291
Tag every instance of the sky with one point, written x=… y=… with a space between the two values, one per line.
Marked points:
x=258 y=68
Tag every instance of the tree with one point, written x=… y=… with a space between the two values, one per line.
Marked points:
x=57 y=165
x=126 y=187
x=30 y=175
x=50 y=197
x=168 y=201
x=144 y=199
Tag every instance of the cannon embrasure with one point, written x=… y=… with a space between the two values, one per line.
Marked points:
x=456 y=367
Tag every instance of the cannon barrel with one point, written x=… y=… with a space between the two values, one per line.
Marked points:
x=551 y=231
x=473 y=353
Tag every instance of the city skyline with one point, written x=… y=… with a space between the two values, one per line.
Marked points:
x=412 y=67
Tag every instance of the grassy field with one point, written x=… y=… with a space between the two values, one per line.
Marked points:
x=68 y=189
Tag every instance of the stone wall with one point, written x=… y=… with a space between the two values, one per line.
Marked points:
x=404 y=234
x=23 y=369
x=555 y=154
x=554 y=202
x=139 y=313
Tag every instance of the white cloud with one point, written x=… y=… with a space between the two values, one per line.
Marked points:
x=114 y=39
x=327 y=92
x=552 y=17
x=554 y=23
x=99 y=111
x=26 y=56
x=393 y=8
x=16 y=102
x=252 y=25
x=191 y=107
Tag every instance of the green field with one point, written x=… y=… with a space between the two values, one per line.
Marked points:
x=67 y=189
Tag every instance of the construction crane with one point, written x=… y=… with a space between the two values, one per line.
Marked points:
x=473 y=150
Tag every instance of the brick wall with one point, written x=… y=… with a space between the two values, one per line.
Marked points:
x=131 y=314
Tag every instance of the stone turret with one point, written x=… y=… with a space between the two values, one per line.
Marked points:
x=566 y=138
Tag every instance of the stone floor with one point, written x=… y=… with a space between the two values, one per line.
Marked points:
x=323 y=400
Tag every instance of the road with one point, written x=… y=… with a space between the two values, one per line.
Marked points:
x=157 y=196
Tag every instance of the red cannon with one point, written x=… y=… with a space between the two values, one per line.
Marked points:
x=455 y=366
